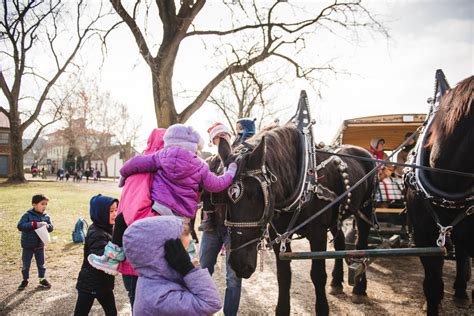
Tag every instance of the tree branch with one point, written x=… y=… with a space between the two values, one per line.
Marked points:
x=140 y=40
x=231 y=69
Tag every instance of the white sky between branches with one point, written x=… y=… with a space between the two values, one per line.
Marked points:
x=394 y=76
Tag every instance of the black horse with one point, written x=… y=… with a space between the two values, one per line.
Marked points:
x=267 y=177
x=446 y=199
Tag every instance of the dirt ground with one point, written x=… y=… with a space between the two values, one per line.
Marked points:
x=394 y=287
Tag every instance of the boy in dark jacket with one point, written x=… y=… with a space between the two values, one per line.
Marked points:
x=92 y=283
x=31 y=244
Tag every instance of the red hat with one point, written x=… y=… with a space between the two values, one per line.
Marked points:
x=216 y=129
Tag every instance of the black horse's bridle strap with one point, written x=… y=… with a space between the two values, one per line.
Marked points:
x=265 y=179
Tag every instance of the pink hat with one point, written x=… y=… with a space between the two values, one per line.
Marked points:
x=183 y=136
x=217 y=129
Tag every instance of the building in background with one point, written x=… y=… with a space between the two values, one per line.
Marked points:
x=109 y=160
x=5 y=146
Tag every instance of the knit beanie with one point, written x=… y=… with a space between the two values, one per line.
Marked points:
x=183 y=136
x=248 y=125
x=216 y=129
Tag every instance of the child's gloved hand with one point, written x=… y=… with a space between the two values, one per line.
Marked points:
x=177 y=256
x=121 y=182
x=232 y=169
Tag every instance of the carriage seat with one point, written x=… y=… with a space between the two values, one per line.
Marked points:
x=390 y=192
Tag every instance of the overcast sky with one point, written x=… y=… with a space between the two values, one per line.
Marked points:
x=387 y=76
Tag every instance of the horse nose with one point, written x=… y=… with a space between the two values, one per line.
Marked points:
x=245 y=272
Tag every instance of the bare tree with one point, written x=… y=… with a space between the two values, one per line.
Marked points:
x=272 y=38
x=34 y=33
x=246 y=94
x=111 y=128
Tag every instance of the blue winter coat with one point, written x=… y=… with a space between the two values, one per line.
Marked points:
x=29 y=238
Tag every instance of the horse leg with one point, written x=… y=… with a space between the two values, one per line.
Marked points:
x=463 y=275
x=338 y=270
x=318 y=271
x=359 y=292
x=433 y=285
x=284 y=282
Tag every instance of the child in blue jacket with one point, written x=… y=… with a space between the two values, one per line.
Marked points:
x=31 y=244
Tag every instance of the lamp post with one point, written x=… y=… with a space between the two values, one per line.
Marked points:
x=75 y=163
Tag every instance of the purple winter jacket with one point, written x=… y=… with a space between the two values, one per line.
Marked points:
x=179 y=175
x=160 y=289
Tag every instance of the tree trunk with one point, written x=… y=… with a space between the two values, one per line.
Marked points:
x=165 y=111
x=16 y=136
x=106 y=170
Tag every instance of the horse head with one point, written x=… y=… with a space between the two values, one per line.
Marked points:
x=249 y=204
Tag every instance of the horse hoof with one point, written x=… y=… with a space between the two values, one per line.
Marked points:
x=461 y=302
x=360 y=299
x=336 y=290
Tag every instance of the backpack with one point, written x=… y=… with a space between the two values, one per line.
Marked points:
x=80 y=229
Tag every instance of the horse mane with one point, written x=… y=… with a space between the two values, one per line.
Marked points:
x=456 y=104
x=281 y=143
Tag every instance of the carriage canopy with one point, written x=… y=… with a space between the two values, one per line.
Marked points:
x=391 y=127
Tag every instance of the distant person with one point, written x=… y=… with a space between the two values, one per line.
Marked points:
x=98 y=175
x=92 y=283
x=169 y=283
x=31 y=244
x=245 y=128
x=403 y=154
x=67 y=176
x=376 y=148
x=94 y=175
x=87 y=174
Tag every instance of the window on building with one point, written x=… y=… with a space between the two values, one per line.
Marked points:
x=101 y=167
x=4 y=138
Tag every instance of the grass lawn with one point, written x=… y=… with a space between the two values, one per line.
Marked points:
x=64 y=258
x=67 y=202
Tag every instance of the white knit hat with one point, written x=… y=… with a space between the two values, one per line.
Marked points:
x=183 y=136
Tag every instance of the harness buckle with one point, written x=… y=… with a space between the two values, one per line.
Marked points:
x=470 y=210
x=443 y=231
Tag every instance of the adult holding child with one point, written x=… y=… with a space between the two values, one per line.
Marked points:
x=178 y=174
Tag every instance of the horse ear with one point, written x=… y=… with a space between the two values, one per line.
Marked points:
x=224 y=149
x=257 y=157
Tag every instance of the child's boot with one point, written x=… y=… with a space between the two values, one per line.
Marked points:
x=207 y=223
x=23 y=285
x=109 y=261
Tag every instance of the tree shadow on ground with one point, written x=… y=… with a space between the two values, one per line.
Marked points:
x=5 y=305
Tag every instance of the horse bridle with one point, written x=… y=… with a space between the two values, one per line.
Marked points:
x=265 y=178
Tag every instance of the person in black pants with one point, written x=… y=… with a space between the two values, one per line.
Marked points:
x=92 y=283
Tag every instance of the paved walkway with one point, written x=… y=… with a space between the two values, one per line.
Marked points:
x=107 y=184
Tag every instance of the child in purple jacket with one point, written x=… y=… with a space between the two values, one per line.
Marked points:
x=179 y=175
x=168 y=283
